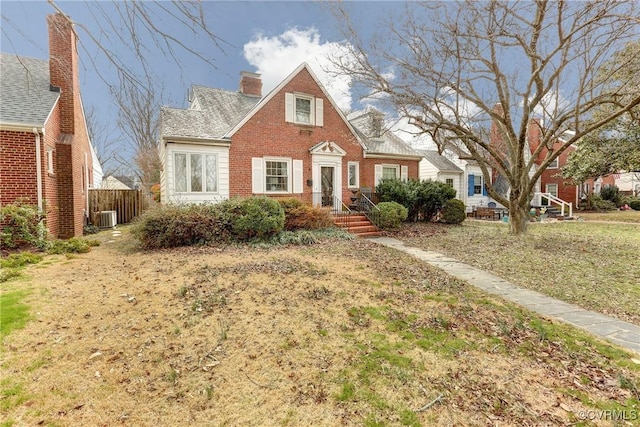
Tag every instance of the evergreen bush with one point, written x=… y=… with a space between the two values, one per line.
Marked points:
x=453 y=212
x=391 y=215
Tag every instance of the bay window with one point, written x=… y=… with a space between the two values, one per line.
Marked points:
x=196 y=173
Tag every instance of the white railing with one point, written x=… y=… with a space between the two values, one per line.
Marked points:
x=553 y=199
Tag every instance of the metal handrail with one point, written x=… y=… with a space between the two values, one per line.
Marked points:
x=341 y=211
x=371 y=211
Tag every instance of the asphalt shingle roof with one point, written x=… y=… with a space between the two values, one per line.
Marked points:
x=386 y=143
x=439 y=161
x=25 y=94
x=219 y=111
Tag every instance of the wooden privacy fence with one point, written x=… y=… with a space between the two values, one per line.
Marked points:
x=126 y=203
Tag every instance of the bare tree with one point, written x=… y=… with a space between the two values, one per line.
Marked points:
x=150 y=29
x=138 y=119
x=103 y=139
x=446 y=66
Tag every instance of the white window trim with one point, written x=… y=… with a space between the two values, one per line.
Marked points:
x=476 y=176
x=204 y=173
x=548 y=189
x=554 y=164
x=357 y=166
x=316 y=114
x=50 y=168
x=396 y=167
x=286 y=160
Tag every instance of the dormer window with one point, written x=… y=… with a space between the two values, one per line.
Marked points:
x=303 y=109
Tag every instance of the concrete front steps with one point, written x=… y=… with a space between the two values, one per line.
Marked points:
x=356 y=223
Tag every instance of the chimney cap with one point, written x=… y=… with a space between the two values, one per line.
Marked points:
x=250 y=74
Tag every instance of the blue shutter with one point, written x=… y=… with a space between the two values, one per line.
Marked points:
x=470 y=188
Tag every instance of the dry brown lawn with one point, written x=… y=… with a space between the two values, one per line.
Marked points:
x=340 y=333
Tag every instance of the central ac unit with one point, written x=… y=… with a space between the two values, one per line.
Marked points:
x=108 y=219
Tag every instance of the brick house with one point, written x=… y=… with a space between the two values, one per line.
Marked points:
x=551 y=180
x=46 y=157
x=293 y=142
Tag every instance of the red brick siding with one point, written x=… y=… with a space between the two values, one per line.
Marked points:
x=267 y=134
x=18 y=167
x=72 y=146
x=63 y=191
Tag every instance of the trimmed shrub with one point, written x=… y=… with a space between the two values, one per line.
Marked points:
x=391 y=216
x=172 y=226
x=23 y=224
x=423 y=199
x=612 y=194
x=254 y=217
x=597 y=203
x=635 y=204
x=453 y=212
x=302 y=216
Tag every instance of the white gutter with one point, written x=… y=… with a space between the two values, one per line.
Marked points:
x=38 y=166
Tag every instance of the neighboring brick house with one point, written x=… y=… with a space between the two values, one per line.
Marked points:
x=46 y=157
x=551 y=180
x=294 y=141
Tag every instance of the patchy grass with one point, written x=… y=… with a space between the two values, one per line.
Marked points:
x=14 y=313
x=618 y=216
x=338 y=333
x=594 y=265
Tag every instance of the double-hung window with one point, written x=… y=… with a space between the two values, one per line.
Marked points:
x=477 y=184
x=449 y=182
x=196 y=173
x=303 y=109
x=390 y=172
x=277 y=176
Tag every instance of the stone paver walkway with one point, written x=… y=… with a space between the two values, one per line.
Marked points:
x=622 y=333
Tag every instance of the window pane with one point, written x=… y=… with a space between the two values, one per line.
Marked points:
x=449 y=182
x=303 y=110
x=389 y=173
x=212 y=173
x=196 y=172
x=477 y=184
x=180 y=174
x=276 y=176
x=352 y=175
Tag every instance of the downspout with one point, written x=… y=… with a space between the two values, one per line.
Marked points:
x=39 y=167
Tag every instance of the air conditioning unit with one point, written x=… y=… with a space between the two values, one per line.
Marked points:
x=108 y=219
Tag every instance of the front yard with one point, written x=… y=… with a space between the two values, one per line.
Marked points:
x=339 y=333
x=589 y=263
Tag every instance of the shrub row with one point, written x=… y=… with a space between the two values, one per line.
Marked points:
x=423 y=199
x=248 y=219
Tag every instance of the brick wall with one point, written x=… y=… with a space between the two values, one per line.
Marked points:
x=18 y=167
x=73 y=155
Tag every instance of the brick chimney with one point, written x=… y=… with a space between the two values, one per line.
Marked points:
x=63 y=67
x=250 y=83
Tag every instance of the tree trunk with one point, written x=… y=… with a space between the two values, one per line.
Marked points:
x=518 y=217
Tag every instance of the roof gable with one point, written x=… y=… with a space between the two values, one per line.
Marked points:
x=27 y=97
x=265 y=100
x=439 y=161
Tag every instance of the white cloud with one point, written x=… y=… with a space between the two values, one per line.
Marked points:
x=276 y=57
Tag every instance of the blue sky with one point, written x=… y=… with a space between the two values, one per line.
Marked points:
x=270 y=37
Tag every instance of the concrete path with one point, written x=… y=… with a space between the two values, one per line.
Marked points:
x=616 y=331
